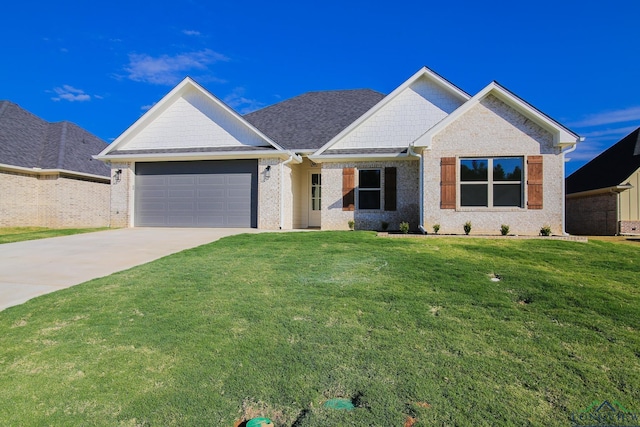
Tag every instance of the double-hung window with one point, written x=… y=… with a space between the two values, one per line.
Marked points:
x=369 y=189
x=491 y=182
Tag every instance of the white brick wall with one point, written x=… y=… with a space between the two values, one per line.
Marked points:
x=404 y=119
x=490 y=129
x=334 y=218
x=269 y=195
x=52 y=201
x=193 y=121
x=122 y=195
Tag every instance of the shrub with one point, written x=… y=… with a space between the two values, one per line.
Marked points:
x=436 y=228
x=545 y=230
x=504 y=229
x=467 y=227
x=385 y=225
x=404 y=227
x=352 y=224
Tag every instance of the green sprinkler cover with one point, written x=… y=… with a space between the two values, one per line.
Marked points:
x=339 y=404
x=259 y=422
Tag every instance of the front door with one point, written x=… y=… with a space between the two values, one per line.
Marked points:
x=315 y=199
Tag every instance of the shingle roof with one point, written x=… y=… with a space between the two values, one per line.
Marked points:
x=308 y=121
x=28 y=141
x=610 y=168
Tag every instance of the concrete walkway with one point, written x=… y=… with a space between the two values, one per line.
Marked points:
x=37 y=267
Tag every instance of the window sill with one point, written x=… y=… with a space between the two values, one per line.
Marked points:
x=492 y=209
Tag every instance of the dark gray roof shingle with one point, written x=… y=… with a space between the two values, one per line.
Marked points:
x=310 y=120
x=610 y=168
x=28 y=141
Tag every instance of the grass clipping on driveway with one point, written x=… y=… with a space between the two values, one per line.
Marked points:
x=410 y=330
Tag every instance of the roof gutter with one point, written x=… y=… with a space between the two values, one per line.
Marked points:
x=412 y=153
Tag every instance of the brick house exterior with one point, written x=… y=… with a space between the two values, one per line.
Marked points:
x=603 y=196
x=322 y=159
x=47 y=175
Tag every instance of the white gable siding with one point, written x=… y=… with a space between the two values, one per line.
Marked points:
x=404 y=119
x=193 y=120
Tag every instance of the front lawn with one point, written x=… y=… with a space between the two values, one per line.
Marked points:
x=412 y=331
x=19 y=234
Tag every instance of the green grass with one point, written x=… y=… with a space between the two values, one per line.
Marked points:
x=19 y=234
x=276 y=324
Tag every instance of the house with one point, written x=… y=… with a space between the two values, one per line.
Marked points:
x=426 y=153
x=603 y=196
x=48 y=177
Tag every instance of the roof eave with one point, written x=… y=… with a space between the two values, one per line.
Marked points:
x=224 y=155
x=606 y=190
x=321 y=158
x=41 y=172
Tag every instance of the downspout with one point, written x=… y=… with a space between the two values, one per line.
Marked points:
x=289 y=160
x=564 y=196
x=420 y=187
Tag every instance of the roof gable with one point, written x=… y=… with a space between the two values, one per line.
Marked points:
x=610 y=168
x=420 y=102
x=28 y=141
x=306 y=122
x=562 y=136
x=190 y=117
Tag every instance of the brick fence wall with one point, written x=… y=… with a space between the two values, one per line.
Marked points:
x=594 y=215
x=52 y=201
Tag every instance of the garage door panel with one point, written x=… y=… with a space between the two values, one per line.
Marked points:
x=181 y=193
x=212 y=180
x=177 y=206
x=211 y=193
x=182 y=180
x=210 y=206
x=155 y=221
x=180 y=220
x=150 y=206
x=238 y=179
x=212 y=221
x=196 y=194
x=153 y=180
x=153 y=194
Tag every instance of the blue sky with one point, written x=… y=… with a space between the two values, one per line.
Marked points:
x=102 y=64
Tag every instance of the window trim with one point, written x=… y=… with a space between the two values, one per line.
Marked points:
x=371 y=189
x=490 y=184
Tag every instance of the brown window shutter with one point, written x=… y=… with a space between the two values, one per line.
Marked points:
x=448 y=183
x=390 y=189
x=348 y=185
x=534 y=182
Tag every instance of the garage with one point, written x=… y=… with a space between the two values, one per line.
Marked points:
x=212 y=193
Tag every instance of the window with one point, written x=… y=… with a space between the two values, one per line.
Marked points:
x=369 y=189
x=491 y=182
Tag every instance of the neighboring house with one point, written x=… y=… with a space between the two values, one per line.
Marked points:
x=48 y=177
x=426 y=153
x=603 y=196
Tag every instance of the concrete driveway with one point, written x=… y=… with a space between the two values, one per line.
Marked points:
x=37 y=267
